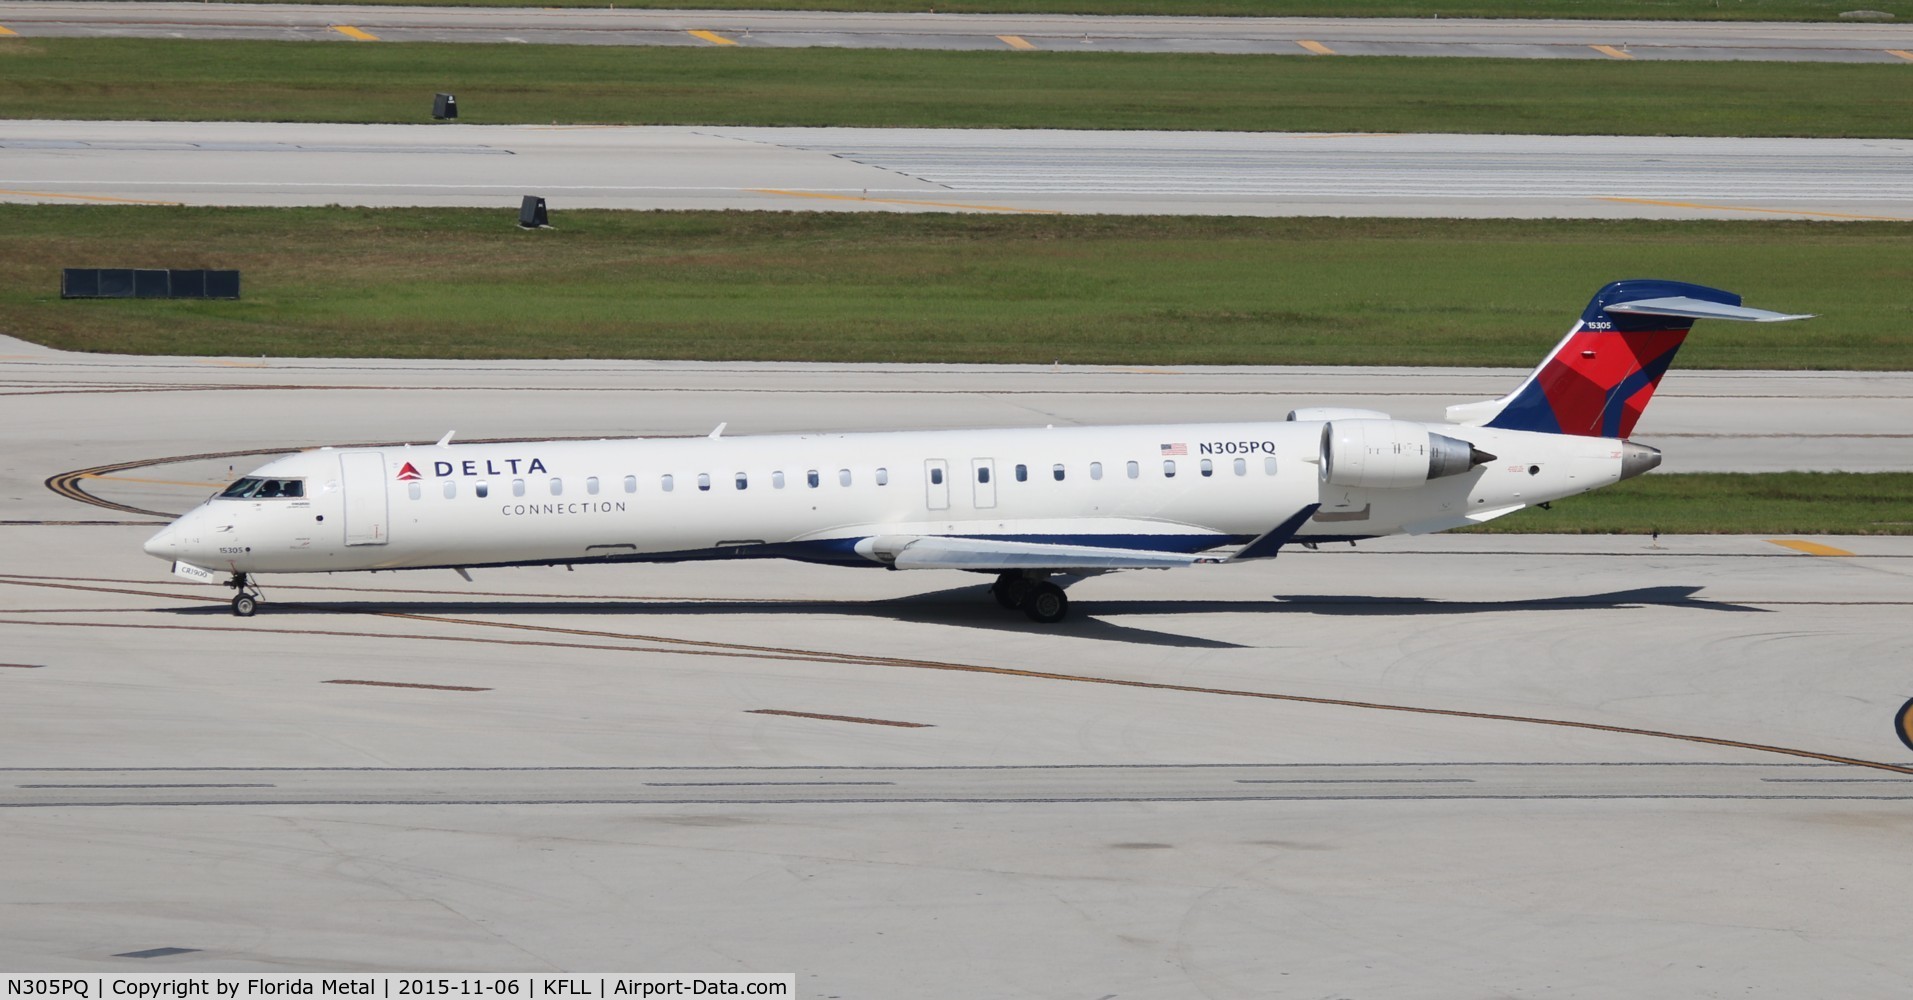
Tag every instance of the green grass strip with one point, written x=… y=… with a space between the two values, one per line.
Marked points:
x=1693 y=10
x=466 y=283
x=1730 y=503
x=114 y=78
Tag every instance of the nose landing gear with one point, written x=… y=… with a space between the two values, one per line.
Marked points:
x=1040 y=599
x=246 y=596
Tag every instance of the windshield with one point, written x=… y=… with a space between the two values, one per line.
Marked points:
x=265 y=489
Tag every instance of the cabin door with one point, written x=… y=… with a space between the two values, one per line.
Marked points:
x=936 y=480
x=363 y=474
x=983 y=479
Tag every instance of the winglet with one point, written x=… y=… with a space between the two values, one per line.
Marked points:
x=447 y=439
x=718 y=431
x=1272 y=540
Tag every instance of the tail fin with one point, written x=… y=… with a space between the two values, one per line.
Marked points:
x=1600 y=376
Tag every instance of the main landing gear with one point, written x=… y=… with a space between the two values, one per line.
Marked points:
x=246 y=595
x=1040 y=599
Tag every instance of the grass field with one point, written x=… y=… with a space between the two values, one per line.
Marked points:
x=1730 y=503
x=1695 y=10
x=954 y=288
x=158 y=79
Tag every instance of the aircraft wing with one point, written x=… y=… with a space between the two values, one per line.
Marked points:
x=940 y=552
x=945 y=552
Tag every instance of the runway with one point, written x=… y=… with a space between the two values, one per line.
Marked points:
x=1522 y=39
x=1491 y=763
x=975 y=170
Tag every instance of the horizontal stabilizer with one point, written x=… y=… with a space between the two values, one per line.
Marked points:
x=1681 y=305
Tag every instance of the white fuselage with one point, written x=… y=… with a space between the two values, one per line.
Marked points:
x=1171 y=488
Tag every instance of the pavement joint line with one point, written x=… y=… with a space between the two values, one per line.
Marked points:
x=1611 y=52
x=710 y=36
x=1810 y=548
x=1316 y=47
x=84 y=197
x=1750 y=208
x=839 y=718
x=1016 y=42
x=902 y=201
x=355 y=33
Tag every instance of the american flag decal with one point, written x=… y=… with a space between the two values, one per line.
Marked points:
x=1175 y=449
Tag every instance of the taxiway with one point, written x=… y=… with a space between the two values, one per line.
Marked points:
x=978 y=170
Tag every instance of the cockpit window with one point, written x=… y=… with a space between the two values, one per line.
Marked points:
x=265 y=489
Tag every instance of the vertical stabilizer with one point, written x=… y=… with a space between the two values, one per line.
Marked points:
x=1599 y=378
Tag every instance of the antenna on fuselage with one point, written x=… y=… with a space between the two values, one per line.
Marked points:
x=447 y=439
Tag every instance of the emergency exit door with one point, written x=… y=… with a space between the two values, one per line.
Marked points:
x=936 y=484
x=366 y=514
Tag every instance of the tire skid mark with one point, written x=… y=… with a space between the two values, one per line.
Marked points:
x=702 y=647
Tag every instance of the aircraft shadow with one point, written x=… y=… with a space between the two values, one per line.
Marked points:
x=971 y=607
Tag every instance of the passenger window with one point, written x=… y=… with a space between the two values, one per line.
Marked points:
x=936 y=477
x=777 y=480
x=665 y=482
x=704 y=481
x=1134 y=470
x=1022 y=473
x=883 y=477
x=1058 y=472
x=1208 y=468
x=630 y=484
x=982 y=473
x=1095 y=470
x=1268 y=465
x=843 y=477
x=591 y=485
x=1168 y=468
x=412 y=490
x=482 y=489
x=451 y=489
x=1241 y=466
x=518 y=487
x=813 y=478
x=743 y=482
x=557 y=487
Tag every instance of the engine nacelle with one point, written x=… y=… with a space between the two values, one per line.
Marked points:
x=1335 y=413
x=1392 y=454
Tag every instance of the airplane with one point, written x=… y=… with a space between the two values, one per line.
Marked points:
x=1038 y=508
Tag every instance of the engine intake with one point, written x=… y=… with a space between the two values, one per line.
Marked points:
x=1392 y=454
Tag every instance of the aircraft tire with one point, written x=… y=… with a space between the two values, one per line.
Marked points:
x=245 y=606
x=1046 y=604
x=1011 y=590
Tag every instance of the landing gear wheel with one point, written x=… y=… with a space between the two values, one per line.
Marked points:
x=1046 y=604
x=245 y=605
x=1010 y=590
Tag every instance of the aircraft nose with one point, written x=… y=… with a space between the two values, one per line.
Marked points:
x=164 y=544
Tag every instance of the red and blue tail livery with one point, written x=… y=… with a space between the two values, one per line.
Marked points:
x=1600 y=377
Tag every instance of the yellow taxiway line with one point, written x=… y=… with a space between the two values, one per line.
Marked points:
x=1810 y=548
x=1610 y=51
x=9 y=32
x=1750 y=208
x=902 y=201
x=85 y=197
x=1902 y=53
x=1316 y=47
x=153 y=482
x=1015 y=41
x=711 y=36
x=355 y=33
